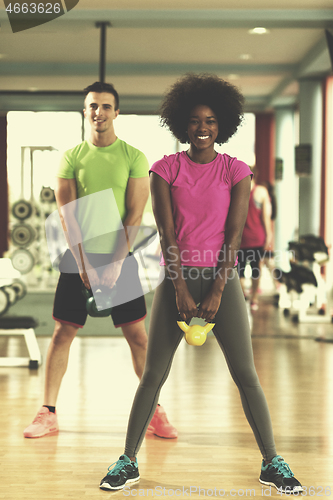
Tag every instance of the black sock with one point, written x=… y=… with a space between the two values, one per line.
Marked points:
x=51 y=408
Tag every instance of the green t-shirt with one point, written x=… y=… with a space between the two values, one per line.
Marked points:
x=104 y=171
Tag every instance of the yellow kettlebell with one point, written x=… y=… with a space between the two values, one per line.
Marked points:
x=195 y=334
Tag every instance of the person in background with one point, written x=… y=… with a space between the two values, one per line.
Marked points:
x=269 y=257
x=256 y=239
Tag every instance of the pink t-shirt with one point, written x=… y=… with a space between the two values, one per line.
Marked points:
x=200 y=197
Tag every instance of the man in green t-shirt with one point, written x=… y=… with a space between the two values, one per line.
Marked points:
x=99 y=235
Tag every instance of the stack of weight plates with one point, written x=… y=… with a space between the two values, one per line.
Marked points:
x=9 y=294
x=23 y=235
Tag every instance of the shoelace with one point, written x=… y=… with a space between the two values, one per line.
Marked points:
x=39 y=418
x=119 y=465
x=284 y=469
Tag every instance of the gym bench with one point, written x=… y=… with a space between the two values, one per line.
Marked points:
x=21 y=325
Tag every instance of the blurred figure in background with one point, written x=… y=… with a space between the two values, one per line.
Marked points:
x=268 y=259
x=257 y=237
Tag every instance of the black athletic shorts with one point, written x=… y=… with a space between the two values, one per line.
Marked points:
x=70 y=304
x=253 y=256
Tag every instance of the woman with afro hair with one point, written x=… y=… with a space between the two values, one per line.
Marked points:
x=200 y=201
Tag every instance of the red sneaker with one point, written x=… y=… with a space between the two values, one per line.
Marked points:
x=160 y=426
x=45 y=424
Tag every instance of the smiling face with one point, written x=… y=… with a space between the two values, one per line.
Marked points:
x=202 y=127
x=100 y=112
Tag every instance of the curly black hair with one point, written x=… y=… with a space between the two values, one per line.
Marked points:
x=221 y=96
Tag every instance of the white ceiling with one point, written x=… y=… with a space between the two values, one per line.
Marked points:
x=151 y=43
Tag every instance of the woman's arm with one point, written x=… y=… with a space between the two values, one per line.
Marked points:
x=238 y=209
x=161 y=203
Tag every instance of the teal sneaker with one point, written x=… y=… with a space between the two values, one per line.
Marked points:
x=278 y=474
x=124 y=472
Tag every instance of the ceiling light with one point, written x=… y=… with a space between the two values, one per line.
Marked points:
x=245 y=57
x=259 y=31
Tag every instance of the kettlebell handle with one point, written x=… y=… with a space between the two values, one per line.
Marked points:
x=105 y=290
x=189 y=321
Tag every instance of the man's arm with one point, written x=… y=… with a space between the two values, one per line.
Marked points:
x=136 y=198
x=66 y=196
x=137 y=193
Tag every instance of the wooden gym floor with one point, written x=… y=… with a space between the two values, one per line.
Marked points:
x=215 y=454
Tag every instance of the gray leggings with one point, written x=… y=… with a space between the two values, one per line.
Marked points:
x=233 y=335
